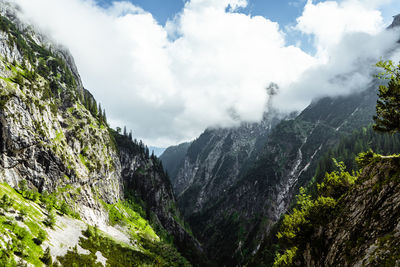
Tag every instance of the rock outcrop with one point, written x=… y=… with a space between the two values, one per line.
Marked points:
x=366 y=230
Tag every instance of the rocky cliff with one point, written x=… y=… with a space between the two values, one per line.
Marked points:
x=366 y=229
x=351 y=221
x=213 y=162
x=173 y=159
x=53 y=136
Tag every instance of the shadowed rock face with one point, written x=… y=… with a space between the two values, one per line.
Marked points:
x=232 y=211
x=396 y=22
x=366 y=230
x=145 y=178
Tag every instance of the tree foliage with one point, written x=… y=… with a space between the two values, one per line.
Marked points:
x=387 y=117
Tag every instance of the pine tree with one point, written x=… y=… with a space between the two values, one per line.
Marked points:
x=47 y=257
x=104 y=116
x=387 y=117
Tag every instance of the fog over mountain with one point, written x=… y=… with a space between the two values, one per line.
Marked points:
x=210 y=65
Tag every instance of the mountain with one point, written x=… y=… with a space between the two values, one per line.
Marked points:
x=75 y=192
x=157 y=151
x=173 y=157
x=231 y=201
x=58 y=153
x=234 y=185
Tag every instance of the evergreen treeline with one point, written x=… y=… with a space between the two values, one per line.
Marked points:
x=133 y=145
x=89 y=102
x=350 y=146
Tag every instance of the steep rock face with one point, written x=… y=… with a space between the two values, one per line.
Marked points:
x=213 y=162
x=396 y=22
x=366 y=228
x=47 y=136
x=144 y=178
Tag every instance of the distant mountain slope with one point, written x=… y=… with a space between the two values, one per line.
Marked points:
x=233 y=192
x=173 y=159
x=213 y=162
x=288 y=160
x=233 y=211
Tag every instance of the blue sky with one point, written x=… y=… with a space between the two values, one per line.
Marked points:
x=284 y=12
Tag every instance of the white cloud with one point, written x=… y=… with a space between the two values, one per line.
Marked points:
x=210 y=65
x=350 y=39
x=350 y=68
x=218 y=64
x=329 y=21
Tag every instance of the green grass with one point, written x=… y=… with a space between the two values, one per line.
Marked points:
x=120 y=254
x=22 y=233
x=120 y=213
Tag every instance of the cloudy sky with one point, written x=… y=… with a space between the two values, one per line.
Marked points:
x=168 y=69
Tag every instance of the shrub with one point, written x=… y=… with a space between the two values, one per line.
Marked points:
x=42 y=235
x=46 y=258
x=50 y=220
x=337 y=182
x=286 y=258
x=21 y=232
x=23 y=186
x=6 y=202
x=64 y=209
x=22 y=213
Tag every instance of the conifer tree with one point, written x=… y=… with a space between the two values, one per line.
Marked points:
x=387 y=117
x=104 y=116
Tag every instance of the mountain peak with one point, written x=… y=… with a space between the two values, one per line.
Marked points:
x=396 y=21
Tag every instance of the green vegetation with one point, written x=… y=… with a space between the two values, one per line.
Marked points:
x=20 y=238
x=350 y=146
x=117 y=254
x=122 y=214
x=310 y=213
x=146 y=248
x=387 y=117
x=48 y=201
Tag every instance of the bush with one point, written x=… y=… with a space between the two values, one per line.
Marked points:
x=6 y=202
x=22 y=213
x=42 y=235
x=286 y=258
x=23 y=186
x=46 y=258
x=64 y=209
x=21 y=232
x=336 y=183
x=365 y=158
x=50 y=220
